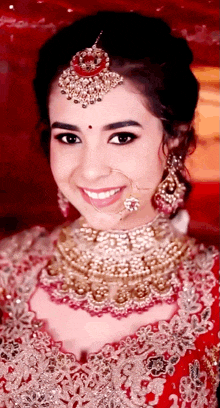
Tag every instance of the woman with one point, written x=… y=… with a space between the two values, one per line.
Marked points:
x=131 y=315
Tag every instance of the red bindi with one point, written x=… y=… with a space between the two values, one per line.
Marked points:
x=90 y=127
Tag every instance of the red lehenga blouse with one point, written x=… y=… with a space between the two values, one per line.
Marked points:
x=169 y=364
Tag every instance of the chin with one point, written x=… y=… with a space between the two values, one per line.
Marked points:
x=103 y=221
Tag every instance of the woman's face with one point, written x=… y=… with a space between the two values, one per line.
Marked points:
x=88 y=146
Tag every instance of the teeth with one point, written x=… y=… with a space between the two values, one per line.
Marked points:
x=103 y=195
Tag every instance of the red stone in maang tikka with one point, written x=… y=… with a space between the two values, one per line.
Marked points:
x=90 y=62
x=88 y=78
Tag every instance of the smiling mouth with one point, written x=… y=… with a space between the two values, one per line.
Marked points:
x=103 y=198
x=103 y=194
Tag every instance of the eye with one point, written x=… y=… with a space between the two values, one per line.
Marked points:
x=68 y=138
x=123 y=138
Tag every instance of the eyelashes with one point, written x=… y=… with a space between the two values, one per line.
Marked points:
x=68 y=138
x=123 y=138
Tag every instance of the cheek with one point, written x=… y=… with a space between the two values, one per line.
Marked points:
x=60 y=163
x=147 y=164
x=54 y=162
x=151 y=159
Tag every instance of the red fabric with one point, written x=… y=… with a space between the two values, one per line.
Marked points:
x=203 y=207
x=189 y=335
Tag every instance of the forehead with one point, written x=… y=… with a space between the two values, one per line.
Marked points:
x=120 y=103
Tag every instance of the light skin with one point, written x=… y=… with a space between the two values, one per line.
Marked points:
x=119 y=133
x=89 y=164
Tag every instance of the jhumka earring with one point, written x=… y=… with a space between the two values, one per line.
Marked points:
x=63 y=203
x=88 y=78
x=169 y=195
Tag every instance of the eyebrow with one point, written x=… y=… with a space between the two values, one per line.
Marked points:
x=65 y=126
x=118 y=125
x=111 y=126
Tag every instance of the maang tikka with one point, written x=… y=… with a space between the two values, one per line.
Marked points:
x=88 y=78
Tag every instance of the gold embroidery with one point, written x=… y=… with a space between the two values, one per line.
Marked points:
x=211 y=360
x=35 y=372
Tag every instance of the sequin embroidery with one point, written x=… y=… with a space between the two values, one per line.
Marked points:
x=134 y=373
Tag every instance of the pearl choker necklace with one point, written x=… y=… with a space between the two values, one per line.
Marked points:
x=116 y=271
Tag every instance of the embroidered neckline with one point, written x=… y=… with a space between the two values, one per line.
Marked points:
x=116 y=272
x=20 y=302
x=124 y=374
x=21 y=308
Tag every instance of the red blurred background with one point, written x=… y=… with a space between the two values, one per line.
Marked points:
x=27 y=190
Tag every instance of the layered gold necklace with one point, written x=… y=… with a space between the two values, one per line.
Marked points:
x=116 y=271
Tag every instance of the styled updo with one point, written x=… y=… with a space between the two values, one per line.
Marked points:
x=143 y=50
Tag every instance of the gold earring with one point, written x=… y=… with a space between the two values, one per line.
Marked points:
x=63 y=203
x=170 y=193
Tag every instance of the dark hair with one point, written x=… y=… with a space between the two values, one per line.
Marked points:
x=141 y=49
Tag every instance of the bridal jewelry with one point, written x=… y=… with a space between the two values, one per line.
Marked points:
x=63 y=203
x=88 y=78
x=131 y=203
x=170 y=193
x=116 y=271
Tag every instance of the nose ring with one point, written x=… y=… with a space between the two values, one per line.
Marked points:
x=131 y=203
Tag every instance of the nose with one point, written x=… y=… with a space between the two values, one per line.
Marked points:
x=93 y=165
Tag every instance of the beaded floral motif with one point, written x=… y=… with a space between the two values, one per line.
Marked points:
x=88 y=78
x=117 y=272
x=193 y=389
x=35 y=373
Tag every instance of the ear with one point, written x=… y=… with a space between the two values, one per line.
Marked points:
x=172 y=143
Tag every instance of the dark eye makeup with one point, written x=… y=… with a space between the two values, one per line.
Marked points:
x=70 y=138
x=124 y=138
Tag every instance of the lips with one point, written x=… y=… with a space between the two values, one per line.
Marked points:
x=104 y=202
x=101 y=190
